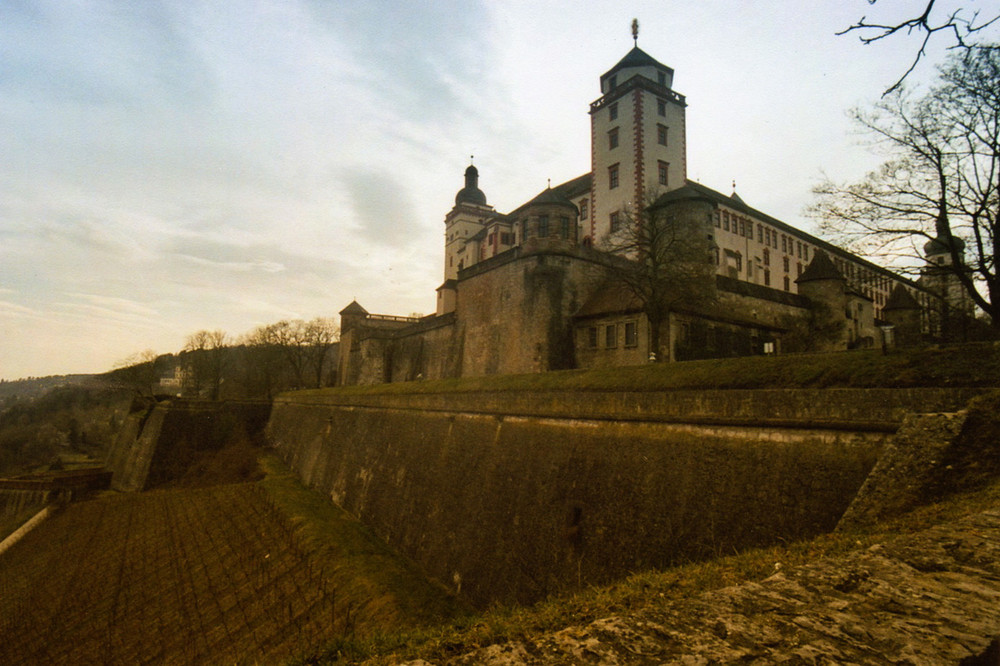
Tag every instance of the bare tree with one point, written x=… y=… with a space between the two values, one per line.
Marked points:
x=941 y=181
x=319 y=336
x=962 y=25
x=660 y=254
x=138 y=371
x=206 y=355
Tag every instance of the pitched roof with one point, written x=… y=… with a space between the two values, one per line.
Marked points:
x=820 y=268
x=636 y=58
x=353 y=308
x=900 y=299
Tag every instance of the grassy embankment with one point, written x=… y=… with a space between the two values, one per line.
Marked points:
x=958 y=366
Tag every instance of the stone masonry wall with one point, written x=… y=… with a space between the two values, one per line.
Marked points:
x=522 y=495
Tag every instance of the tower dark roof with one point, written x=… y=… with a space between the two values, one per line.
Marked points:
x=471 y=193
x=900 y=299
x=636 y=58
x=354 y=308
x=820 y=268
x=552 y=197
x=940 y=243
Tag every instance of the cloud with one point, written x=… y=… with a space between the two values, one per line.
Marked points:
x=381 y=205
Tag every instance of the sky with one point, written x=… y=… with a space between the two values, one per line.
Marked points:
x=177 y=165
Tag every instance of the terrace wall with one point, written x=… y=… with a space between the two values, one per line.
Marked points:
x=512 y=496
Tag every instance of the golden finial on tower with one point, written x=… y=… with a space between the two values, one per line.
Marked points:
x=635 y=31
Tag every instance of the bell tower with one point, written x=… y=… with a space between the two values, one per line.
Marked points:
x=463 y=222
x=638 y=139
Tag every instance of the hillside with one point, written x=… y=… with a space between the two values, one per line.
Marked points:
x=209 y=575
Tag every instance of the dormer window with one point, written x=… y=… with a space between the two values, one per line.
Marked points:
x=661 y=78
x=613 y=82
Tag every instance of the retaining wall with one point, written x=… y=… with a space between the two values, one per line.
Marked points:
x=512 y=496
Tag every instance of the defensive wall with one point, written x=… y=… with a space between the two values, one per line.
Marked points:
x=158 y=440
x=509 y=496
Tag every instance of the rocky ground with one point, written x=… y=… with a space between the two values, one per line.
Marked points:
x=928 y=598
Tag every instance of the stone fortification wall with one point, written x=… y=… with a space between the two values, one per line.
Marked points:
x=157 y=443
x=515 y=317
x=510 y=496
x=838 y=409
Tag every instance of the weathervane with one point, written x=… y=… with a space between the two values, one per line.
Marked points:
x=635 y=31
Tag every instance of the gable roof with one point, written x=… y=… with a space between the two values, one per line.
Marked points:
x=820 y=268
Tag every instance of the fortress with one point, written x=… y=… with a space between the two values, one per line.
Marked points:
x=525 y=291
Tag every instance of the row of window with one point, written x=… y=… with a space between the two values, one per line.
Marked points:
x=661 y=104
x=611 y=335
x=662 y=177
x=743 y=226
x=662 y=132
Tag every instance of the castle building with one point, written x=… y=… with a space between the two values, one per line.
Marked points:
x=522 y=290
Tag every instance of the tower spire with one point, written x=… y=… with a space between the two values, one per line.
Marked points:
x=635 y=32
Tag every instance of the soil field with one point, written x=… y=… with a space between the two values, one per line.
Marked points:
x=212 y=575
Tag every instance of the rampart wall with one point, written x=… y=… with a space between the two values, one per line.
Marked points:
x=512 y=496
x=158 y=442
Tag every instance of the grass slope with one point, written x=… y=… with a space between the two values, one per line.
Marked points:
x=245 y=573
x=971 y=365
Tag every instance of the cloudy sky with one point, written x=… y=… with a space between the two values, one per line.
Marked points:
x=175 y=165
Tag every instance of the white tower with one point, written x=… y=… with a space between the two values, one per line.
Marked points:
x=637 y=139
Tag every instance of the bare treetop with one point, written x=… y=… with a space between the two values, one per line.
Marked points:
x=963 y=25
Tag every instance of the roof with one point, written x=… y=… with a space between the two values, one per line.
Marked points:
x=568 y=190
x=353 y=308
x=900 y=299
x=613 y=298
x=820 y=268
x=551 y=197
x=636 y=58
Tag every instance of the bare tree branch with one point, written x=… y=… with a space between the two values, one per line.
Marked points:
x=963 y=30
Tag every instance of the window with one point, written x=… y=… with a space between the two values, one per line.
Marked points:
x=663 y=172
x=715 y=251
x=661 y=135
x=805 y=252
x=613 y=111
x=631 y=339
x=615 y=222
x=583 y=209
x=739 y=262
x=611 y=336
x=725 y=220
x=785 y=260
x=613 y=139
x=767 y=277
x=787 y=283
x=564 y=228
x=543 y=226
x=718 y=219
x=798 y=248
x=592 y=337
x=798 y=269
x=784 y=245
x=767 y=257
x=613 y=176
x=661 y=107
x=743 y=228
x=760 y=233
